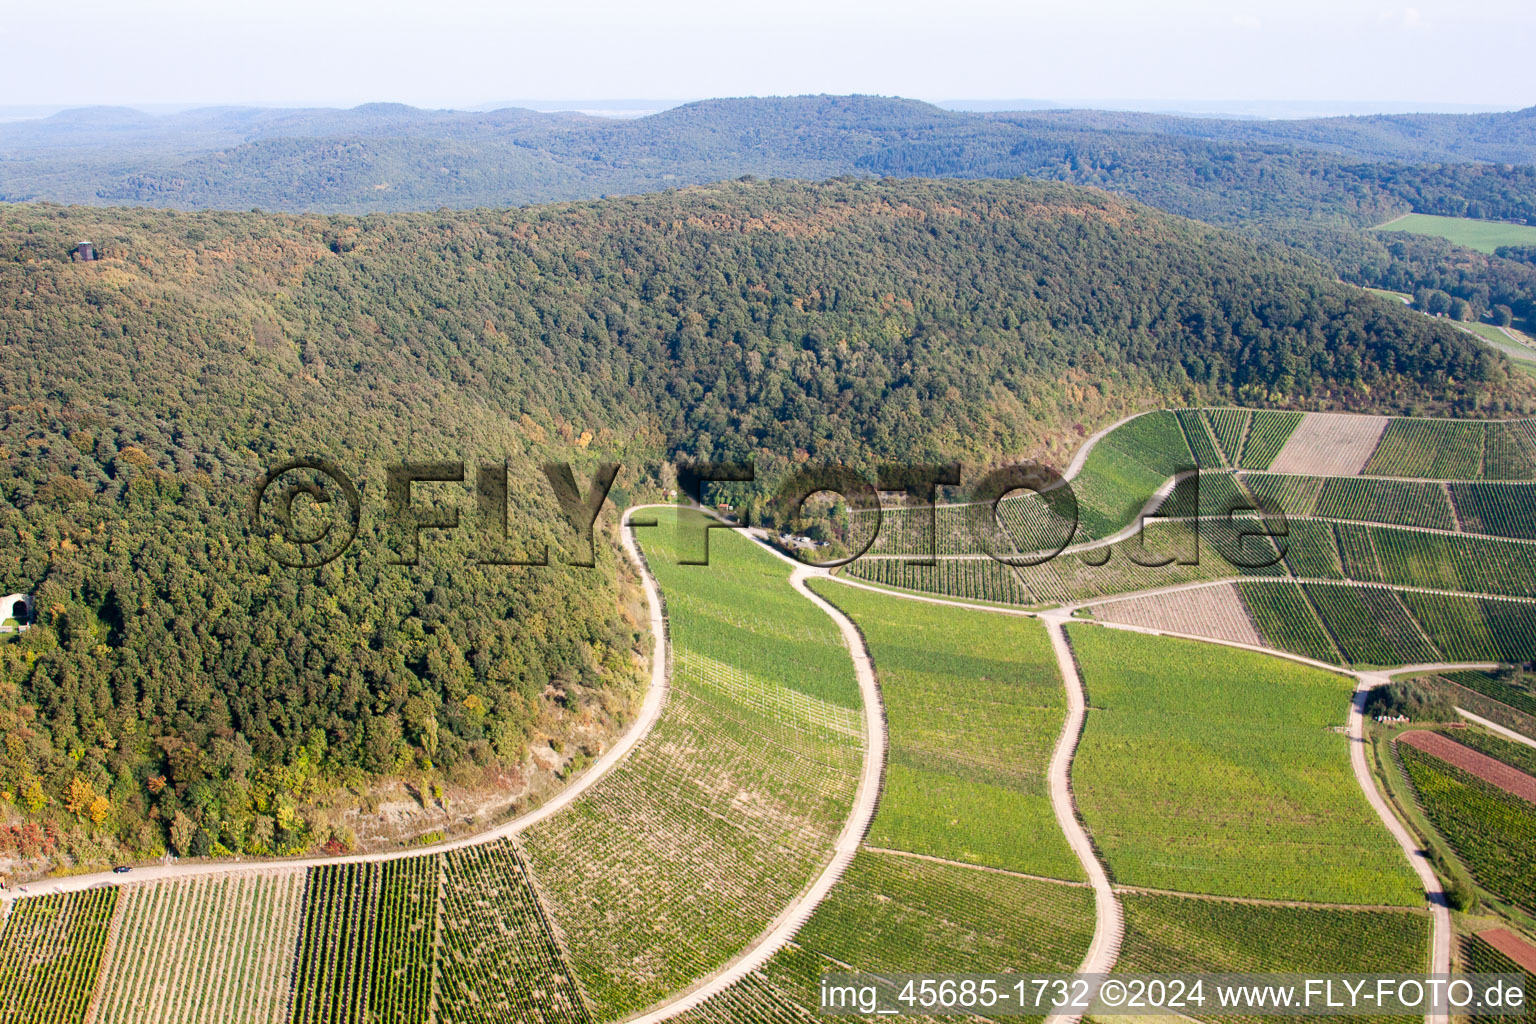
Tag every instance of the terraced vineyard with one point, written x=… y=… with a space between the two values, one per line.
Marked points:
x=1438 y=449
x=1268 y=430
x=1230 y=426
x=1502 y=510
x=1293 y=495
x=499 y=961
x=1455 y=450
x=1169 y=934
x=1476 y=629
x=1125 y=469
x=892 y=913
x=1370 y=625
x=50 y=952
x=1212 y=770
x=1287 y=620
x=974 y=705
x=973 y=579
x=1492 y=831
x=1399 y=502
x=206 y=950
x=1478 y=956
x=664 y=870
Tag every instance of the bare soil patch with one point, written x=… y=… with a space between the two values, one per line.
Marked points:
x=1489 y=769
x=1216 y=612
x=1512 y=946
x=1330 y=444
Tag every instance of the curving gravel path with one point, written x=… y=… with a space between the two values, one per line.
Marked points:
x=1440 y=944
x=866 y=798
x=1109 y=922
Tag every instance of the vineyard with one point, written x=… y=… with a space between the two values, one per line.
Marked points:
x=1215 y=611
x=204 y=950
x=1287 y=620
x=894 y=913
x=1397 y=502
x=498 y=962
x=1491 y=831
x=366 y=943
x=671 y=864
x=973 y=705
x=1519 y=698
x=1125 y=469
x=1478 y=956
x=1312 y=550
x=1213 y=770
x=974 y=579
x=1230 y=426
x=1268 y=432
x=1293 y=495
x=1476 y=629
x=1168 y=934
x=1370 y=625
x=1500 y=510
x=50 y=952
x=1511 y=451
x=1197 y=433
x=1433 y=449
x=1474 y=564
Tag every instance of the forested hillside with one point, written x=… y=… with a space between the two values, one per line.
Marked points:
x=391 y=157
x=182 y=689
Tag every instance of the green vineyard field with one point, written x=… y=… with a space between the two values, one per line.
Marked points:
x=1501 y=510
x=203 y=950
x=1433 y=449
x=1478 y=957
x=1398 y=502
x=1210 y=770
x=1370 y=625
x=1287 y=621
x=679 y=857
x=498 y=960
x=974 y=705
x=50 y=954
x=1229 y=426
x=1268 y=431
x=1177 y=934
x=1492 y=831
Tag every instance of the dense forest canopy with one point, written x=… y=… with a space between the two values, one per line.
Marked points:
x=196 y=694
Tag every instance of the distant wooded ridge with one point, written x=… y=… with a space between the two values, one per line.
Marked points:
x=381 y=156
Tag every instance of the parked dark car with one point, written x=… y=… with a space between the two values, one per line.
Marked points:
x=121 y=869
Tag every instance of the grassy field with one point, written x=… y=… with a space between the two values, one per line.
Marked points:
x=974 y=705
x=677 y=859
x=1482 y=235
x=1209 y=770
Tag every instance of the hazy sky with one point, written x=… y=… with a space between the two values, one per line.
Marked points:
x=469 y=52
